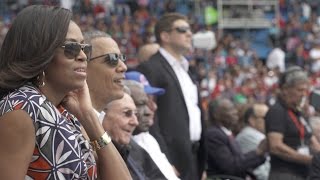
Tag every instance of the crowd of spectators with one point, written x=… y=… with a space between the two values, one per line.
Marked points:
x=233 y=69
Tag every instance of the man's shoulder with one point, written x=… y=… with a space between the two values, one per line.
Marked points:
x=278 y=107
x=250 y=134
x=156 y=58
x=215 y=131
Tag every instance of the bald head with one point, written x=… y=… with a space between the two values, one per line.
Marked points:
x=255 y=116
x=147 y=50
x=260 y=109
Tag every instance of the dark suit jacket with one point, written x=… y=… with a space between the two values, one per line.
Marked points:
x=225 y=156
x=315 y=168
x=172 y=126
x=140 y=164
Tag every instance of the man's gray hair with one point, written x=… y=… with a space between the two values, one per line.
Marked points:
x=132 y=84
x=293 y=75
x=127 y=90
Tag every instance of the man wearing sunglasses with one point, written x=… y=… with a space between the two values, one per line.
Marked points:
x=105 y=72
x=179 y=123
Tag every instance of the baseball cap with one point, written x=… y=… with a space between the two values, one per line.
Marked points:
x=139 y=77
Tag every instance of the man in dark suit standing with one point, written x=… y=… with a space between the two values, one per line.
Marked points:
x=179 y=127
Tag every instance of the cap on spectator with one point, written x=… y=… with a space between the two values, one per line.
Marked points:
x=139 y=77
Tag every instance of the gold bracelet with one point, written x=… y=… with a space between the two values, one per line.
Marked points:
x=101 y=142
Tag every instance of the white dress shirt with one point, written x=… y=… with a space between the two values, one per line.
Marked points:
x=151 y=145
x=190 y=93
x=100 y=115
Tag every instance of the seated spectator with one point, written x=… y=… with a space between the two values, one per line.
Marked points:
x=252 y=134
x=146 y=51
x=224 y=153
x=145 y=117
x=120 y=121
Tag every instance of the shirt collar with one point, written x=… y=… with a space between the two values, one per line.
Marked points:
x=173 y=61
x=227 y=131
x=100 y=115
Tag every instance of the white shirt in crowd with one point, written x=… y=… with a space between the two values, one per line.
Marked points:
x=249 y=139
x=100 y=115
x=190 y=94
x=275 y=59
x=151 y=145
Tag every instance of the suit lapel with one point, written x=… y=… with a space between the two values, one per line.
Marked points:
x=171 y=72
x=167 y=67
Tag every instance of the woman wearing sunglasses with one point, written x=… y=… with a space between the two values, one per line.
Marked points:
x=45 y=104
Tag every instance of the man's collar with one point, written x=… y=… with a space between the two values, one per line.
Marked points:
x=183 y=62
x=100 y=115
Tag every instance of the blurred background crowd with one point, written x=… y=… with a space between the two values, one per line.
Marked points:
x=246 y=60
x=237 y=67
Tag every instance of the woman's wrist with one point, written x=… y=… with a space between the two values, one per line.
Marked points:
x=101 y=142
x=91 y=124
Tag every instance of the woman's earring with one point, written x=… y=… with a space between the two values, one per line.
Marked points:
x=40 y=79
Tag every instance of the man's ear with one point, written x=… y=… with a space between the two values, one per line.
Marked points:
x=164 y=36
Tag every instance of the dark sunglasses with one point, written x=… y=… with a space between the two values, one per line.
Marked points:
x=112 y=58
x=181 y=29
x=72 y=49
x=129 y=113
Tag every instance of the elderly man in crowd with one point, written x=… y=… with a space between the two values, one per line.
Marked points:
x=140 y=90
x=120 y=121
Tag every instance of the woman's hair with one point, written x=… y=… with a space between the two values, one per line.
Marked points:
x=30 y=44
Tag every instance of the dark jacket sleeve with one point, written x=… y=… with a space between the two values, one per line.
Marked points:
x=315 y=168
x=227 y=157
x=144 y=161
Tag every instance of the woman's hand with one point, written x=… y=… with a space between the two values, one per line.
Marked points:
x=78 y=102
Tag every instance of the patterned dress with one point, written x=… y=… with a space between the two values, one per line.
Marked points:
x=61 y=151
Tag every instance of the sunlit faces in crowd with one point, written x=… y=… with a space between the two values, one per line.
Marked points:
x=106 y=70
x=64 y=72
x=120 y=119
